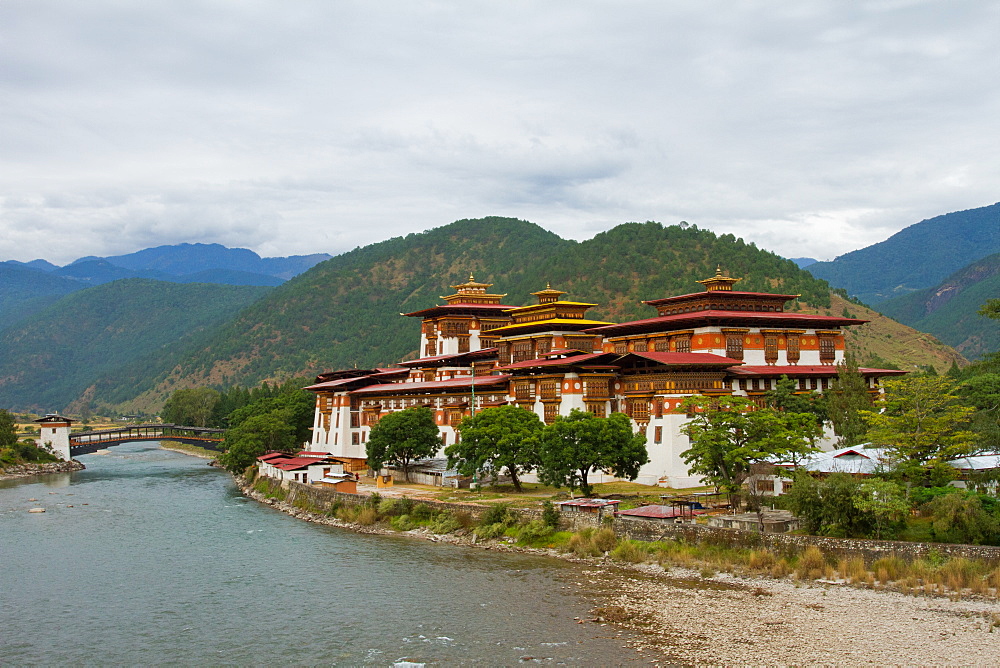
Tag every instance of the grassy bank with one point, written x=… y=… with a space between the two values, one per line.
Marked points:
x=502 y=524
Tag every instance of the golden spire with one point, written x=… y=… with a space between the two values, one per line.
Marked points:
x=719 y=282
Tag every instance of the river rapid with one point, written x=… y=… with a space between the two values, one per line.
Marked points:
x=153 y=557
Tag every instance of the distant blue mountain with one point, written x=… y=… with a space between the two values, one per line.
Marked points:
x=28 y=287
x=803 y=262
x=187 y=259
x=918 y=257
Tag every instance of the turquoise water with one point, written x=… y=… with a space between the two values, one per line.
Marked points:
x=161 y=560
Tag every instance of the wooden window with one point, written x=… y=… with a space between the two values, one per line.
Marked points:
x=551 y=411
x=621 y=347
x=764 y=485
x=548 y=389
x=597 y=408
x=429 y=375
x=684 y=344
x=827 y=350
x=503 y=353
x=596 y=387
x=734 y=346
x=770 y=348
x=658 y=407
x=662 y=346
x=658 y=435
x=524 y=390
x=430 y=350
x=637 y=409
x=523 y=350
x=544 y=346
x=355 y=438
x=640 y=346
x=792 y=349
x=463 y=344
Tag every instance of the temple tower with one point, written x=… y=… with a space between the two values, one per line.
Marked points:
x=54 y=433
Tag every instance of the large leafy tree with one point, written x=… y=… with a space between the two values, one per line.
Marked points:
x=572 y=447
x=922 y=425
x=401 y=437
x=845 y=400
x=982 y=392
x=497 y=438
x=255 y=436
x=729 y=435
x=192 y=407
x=786 y=397
x=8 y=429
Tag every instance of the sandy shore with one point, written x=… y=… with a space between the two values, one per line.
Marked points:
x=679 y=617
x=184 y=451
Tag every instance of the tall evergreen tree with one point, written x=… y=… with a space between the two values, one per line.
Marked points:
x=847 y=397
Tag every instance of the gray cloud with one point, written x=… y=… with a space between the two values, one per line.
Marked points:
x=810 y=128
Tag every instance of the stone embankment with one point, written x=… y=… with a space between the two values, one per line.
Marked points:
x=683 y=616
x=25 y=470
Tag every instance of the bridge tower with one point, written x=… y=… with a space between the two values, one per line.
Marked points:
x=54 y=433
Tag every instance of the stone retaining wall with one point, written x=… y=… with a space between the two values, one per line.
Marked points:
x=653 y=530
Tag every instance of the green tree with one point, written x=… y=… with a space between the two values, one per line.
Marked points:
x=847 y=397
x=497 y=438
x=786 y=397
x=8 y=429
x=982 y=392
x=255 y=436
x=730 y=434
x=991 y=309
x=922 y=426
x=572 y=447
x=191 y=407
x=886 y=504
x=959 y=517
x=401 y=437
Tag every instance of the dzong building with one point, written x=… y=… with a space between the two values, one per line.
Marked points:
x=550 y=357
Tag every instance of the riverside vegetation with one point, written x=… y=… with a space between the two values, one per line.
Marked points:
x=501 y=525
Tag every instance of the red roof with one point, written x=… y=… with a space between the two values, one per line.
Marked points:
x=462 y=306
x=660 y=512
x=716 y=293
x=692 y=359
x=472 y=354
x=295 y=463
x=793 y=371
x=680 y=320
x=454 y=383
x=575 y=359
x=272 y=455
x=369 y=379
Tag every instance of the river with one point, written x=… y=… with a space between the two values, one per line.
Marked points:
x=152 y=557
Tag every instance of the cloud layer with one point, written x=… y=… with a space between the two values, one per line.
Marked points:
x=811 y=128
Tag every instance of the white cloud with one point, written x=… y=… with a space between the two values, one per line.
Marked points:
x=811 y=128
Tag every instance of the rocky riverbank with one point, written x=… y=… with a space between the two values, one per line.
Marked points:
x=681 y=616
x=25 y=470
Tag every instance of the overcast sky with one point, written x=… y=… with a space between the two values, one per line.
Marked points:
x=810 y=128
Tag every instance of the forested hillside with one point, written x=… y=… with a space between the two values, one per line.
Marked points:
x=949 y=310
x=24 y=290
x=920 y=256
x=345 y=311
x=52 y=359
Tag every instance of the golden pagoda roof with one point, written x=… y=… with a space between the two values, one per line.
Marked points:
x=719 y=282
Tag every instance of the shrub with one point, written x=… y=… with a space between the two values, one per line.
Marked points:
x=403 y=523
x=367 y=516
x=373 y=500
x=889 y=569
x=605 y=540
x=423 y=512
x=811 y=563
x=550 y=515
x=465 y=519
x=582 y=544
x=761 y=560
x=498 y=513
x=534 y=533
x=490 y=531
x=444 y=523
x=388 y=507
x=630 y=551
